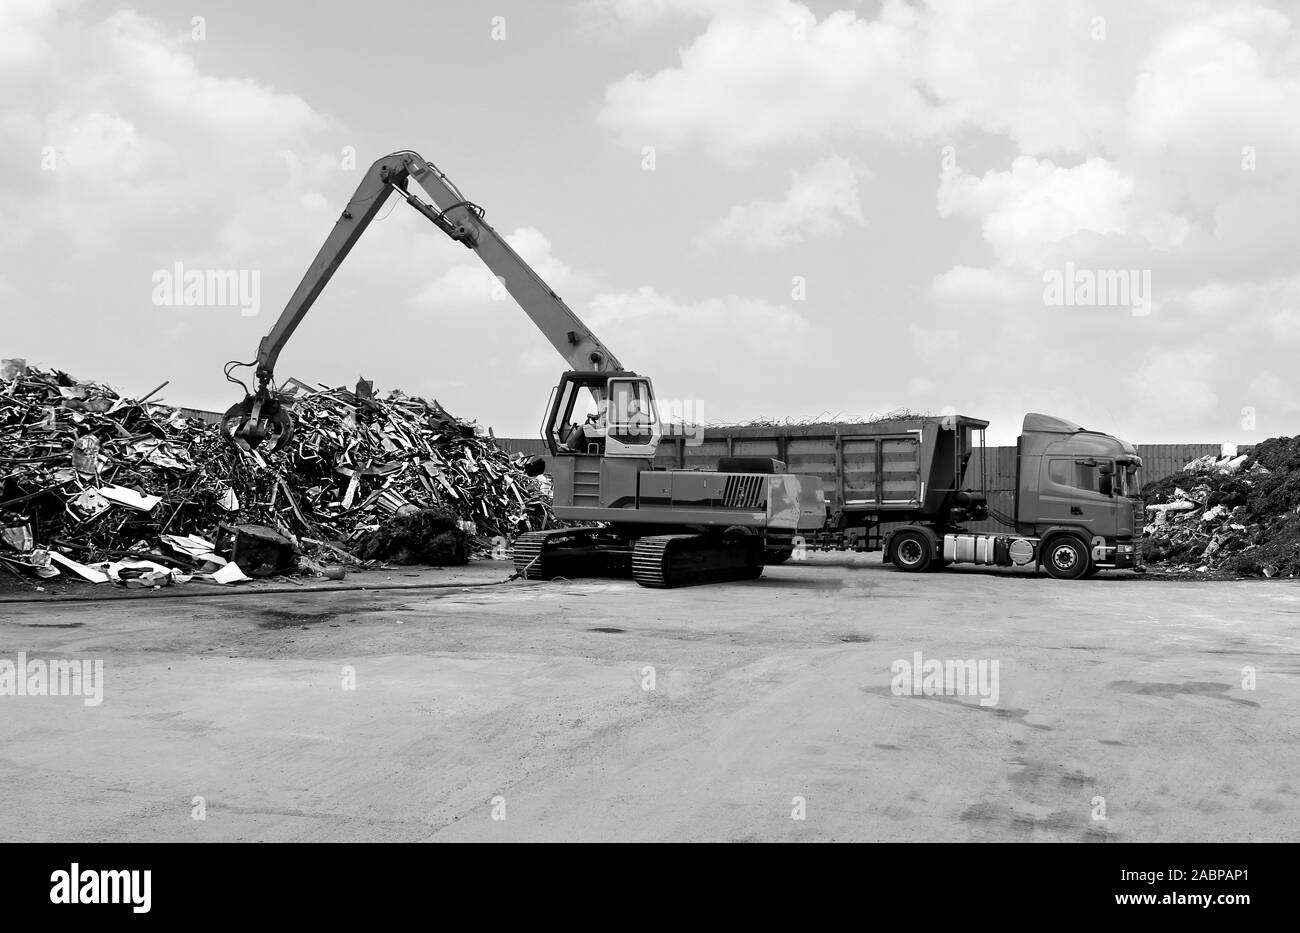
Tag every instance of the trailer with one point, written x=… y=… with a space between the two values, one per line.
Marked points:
x=900 y=486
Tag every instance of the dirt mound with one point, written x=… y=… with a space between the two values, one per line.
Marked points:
x=421 y=536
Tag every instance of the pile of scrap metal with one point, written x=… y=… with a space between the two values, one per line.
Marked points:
x=104 y=488
x=1237 y=514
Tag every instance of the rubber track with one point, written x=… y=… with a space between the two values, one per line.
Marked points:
x=654 y=557
x=529 y=558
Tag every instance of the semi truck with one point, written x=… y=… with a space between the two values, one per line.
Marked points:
x=910 y=487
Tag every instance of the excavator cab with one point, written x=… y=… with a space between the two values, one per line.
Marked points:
x=603 y=415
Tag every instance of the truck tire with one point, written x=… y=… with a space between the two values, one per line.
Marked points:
x=777 y=557
x=1066 y=557
x=911 y=552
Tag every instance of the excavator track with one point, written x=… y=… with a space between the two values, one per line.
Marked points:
x=528 y=553
x=661 y=561
x=570 y=552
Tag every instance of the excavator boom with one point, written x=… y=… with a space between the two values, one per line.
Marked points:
x=660 y=527
x=260 y=417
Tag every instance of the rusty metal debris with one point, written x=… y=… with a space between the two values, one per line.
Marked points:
x=95 y=477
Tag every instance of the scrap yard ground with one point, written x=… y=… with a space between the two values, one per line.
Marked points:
x=529 y=698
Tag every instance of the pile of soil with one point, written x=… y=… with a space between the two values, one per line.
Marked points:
x=418 y=536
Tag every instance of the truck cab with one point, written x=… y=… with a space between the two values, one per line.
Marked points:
x=1076 y=510
x=1073 y=480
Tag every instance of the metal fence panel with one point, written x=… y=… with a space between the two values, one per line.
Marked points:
x=813 y=455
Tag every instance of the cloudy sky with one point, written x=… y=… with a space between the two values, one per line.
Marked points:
x=780 y=209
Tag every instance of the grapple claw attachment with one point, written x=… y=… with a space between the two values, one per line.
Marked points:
x=257 y=420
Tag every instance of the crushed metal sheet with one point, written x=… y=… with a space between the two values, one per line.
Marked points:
x=94 y=476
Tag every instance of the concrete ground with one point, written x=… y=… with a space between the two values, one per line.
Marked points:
x=597 y=710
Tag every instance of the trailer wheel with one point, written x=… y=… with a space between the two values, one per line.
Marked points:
x=912 y=552
x=1066 y=558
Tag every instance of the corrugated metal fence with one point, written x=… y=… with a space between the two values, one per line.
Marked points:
x=1158 y=461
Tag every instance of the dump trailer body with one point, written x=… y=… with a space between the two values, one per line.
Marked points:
x=901 y=470
x=901 y=486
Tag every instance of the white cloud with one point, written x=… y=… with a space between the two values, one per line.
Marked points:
x=768 y=74
x=965 y=284
x=1176 y=386
x=663 y=328
x=1225 y=78
x=1274 y=302
x=1033 y=72
x=820 y=201
x=24 y=28
x=535 y=249
x=937 y=347
x=99 y=143
x=1145 y=120
x=117 y=125
x=474 y=282
x=745 y=318
x=607 y=20
x=160 y=71
x=691 y=348
x=1270 y=394
x=459 y=285
x=1037 y=204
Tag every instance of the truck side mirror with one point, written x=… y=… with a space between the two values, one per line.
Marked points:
x=1106 y=485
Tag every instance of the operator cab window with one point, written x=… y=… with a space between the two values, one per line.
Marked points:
x=581 y=428
x=630 y=414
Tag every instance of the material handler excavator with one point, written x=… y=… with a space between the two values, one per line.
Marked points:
x=662 y=527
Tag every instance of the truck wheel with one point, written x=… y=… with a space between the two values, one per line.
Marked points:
x=777 y=557
x=912 y=552
x=1066 y=558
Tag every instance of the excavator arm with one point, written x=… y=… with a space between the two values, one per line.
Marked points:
x=261 y=417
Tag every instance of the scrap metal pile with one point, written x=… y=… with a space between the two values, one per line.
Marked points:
x=89 y=477
x=1238 y=514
